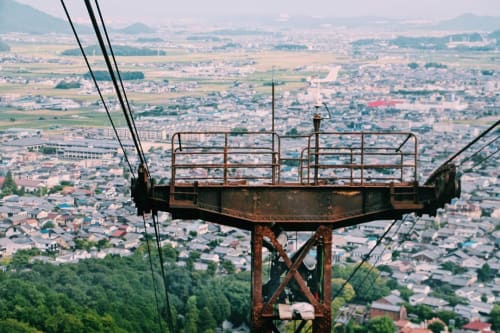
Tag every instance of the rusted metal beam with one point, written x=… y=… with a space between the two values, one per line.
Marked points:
x=264 y=313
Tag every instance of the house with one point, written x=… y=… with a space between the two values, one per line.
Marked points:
x=391 y=299
x=8 y=246
x=478 y=327
x=420 y=289
x=426 y=256
x=395 y=312
x=433 y=302
x=429 y=236
x=376 y=227
x=401 y=266
x=119 y=233
x=463 y=280
x=208 y=257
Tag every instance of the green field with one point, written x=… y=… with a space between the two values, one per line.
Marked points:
x=282 y=65
x=51 y=120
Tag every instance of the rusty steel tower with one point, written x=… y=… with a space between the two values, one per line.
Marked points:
x=272 y=185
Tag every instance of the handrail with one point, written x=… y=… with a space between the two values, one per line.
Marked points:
x=327 y=158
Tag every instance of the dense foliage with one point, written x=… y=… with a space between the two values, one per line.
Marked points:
x=9 y=186
x=367 y=283
x=381 y=325
x=104 y=76
x=495 y=318
x=117 y=295
x=119 y=50
x=68 y=85
x=290 y=47
x=424 y=312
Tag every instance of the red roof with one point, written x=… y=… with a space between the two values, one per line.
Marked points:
x=477 y=326
x=118 y=233
x=376 y=104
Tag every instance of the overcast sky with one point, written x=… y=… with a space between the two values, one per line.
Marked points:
x=154 y=11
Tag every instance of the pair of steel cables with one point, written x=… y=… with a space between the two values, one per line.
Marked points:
x=121 y=94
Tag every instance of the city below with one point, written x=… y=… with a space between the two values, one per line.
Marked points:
x=66 y=185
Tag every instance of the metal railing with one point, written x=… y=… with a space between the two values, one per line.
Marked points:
x=224 y=157
x=359 y=158
x=319 y=158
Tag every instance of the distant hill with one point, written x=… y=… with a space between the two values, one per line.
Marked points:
x=434 y=43
x=471 y=22
x=149 y=40
x=17 y=17
x=136 y=28
x=4 y=47
x=118 y=50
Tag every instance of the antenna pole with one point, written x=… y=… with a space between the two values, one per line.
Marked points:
x=273 y=129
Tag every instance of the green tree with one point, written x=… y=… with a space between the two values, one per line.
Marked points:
x=485 y=273
x=48 y=225
x=236 y=290
x=211 y=268
x=436 y=327
x=495 y=318
x=228 y=267
x=169 y=252
x=405 y=293
x=239 y=131
x=10 y=325
x=413 y=65
x=381 y=325
x=367 y=283
x=9 y=185
x=207 y=321
x=347 y=293
x=192 y=316
x=452 y=267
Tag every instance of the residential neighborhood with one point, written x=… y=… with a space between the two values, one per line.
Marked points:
x=71 y=198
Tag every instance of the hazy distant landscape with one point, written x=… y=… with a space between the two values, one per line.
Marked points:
x=73 y=255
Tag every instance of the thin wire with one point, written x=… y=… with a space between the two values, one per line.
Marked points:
x=482 y=161
x=97 y=87
x=121 y=83
x=363 y=261
x=163 y=274
x=152 y=274
x=90 y=11
x=380 y=256
x=349 y=315
x=470 y=144
x=479 y=150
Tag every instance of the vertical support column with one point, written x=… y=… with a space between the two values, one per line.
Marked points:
x=319 y=294
x=323 y=324
x=362 y=157
x=273 y=158
x=225 y=158
x=258 y=321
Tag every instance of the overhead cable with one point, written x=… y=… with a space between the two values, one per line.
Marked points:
x=129 y=109
x=489 y=129
x=132 y=172
x=95 y=25
x=152 y=273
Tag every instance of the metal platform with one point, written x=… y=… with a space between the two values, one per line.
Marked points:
x=270 y=184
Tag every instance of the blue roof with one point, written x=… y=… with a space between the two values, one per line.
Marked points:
x=64 y=206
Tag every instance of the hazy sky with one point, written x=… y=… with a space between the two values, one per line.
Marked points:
x=154 y=11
